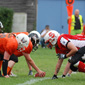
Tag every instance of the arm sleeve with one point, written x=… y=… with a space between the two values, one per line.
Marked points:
x=64 y=41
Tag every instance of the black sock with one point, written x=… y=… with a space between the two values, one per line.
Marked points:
x=4 y=66
x=0 y=72
x=63 y=75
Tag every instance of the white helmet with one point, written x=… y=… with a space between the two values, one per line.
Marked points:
x=35 y=38
x=52 y=37
x=23 y=41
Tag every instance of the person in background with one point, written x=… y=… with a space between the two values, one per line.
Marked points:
x=77 y=23
x=43 y=33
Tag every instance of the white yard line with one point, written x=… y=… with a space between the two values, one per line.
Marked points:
x=32 y=81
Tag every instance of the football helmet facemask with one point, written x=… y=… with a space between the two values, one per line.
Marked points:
x=35 y=39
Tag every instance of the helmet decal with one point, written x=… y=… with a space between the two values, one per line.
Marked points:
x=23 y=40
x=52 y=35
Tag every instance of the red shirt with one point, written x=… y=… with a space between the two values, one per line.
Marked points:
x=64 y=39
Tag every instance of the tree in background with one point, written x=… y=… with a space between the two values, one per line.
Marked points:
x=6 y=17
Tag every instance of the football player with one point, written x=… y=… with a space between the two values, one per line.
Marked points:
x=33 y=46
x=68 y=45
x=10 y=44
x=12 y=58
x=67 y=70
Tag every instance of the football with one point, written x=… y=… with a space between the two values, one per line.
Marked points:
x=37 y=75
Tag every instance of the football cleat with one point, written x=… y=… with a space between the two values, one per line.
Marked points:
x=30 y=72
x=54 y=77
x=12 y=75
x=63 y=76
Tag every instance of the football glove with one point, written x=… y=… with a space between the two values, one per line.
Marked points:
x=54 y=77
x=62 y=56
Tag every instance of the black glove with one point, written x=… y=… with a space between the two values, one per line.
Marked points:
x=63 y=76
x=62 y=56
x=54 y=77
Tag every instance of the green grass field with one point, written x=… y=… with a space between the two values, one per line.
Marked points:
x=46 y=60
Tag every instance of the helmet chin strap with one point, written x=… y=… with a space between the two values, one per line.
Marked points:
x=21 y=49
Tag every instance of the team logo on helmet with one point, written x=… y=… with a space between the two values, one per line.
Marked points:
x=52 y=35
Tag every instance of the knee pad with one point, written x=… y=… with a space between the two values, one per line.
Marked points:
x=73 y=68
x=75 y=58
x=76 y=64
x=83 y=57
x=69 y=59
x=14 y=58
x=72 y=61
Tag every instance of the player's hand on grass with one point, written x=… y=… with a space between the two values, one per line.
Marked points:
x=54 y=77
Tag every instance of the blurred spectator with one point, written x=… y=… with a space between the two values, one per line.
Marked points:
x=43 y=33
x=77 y=23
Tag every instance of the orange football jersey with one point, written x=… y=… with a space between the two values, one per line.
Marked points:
x=20 y=32
x=8 y=43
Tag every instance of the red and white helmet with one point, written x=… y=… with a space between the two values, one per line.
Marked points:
x=51 y=37
x=23 y=41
